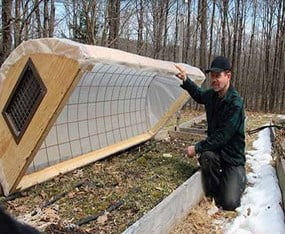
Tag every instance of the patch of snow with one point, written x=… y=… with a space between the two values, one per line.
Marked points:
x=281 y=116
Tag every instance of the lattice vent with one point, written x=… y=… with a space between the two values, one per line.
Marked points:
x=24 y=101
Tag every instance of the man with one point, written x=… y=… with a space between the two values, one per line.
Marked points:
x=9 y=225
x=222 y=157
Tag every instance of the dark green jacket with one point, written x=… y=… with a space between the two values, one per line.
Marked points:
x=225 y=118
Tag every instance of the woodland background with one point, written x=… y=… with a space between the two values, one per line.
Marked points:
x=251 y=33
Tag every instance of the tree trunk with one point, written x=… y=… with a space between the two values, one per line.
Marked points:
x=114 y=23
x=6 y=29
x=158 y=9
x=46 y=19
x=211 y=32
x=239 y=49
x=188 y=33
x=267 y=75
x=224 y=16
x=52 y=18
x=176 y=33
x=140 y=11
x=203 y=34
x=236 y=26
x=105 y=27
x=249 y=67
x=165 y=23
x=17 y=36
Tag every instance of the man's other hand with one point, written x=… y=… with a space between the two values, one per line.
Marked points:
x=182 y=72
x=191 y=151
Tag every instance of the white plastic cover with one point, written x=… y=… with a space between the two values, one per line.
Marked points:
x=86 y=54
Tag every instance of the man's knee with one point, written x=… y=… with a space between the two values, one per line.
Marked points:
x=229 y=203
x=232 y=187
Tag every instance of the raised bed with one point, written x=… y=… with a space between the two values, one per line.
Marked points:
x=195 y=129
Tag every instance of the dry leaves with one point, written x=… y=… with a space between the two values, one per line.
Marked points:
x=103 y=218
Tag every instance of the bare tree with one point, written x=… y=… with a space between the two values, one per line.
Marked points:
x=188 y=33
x=46 y=19
x=52 y=18
x=165 y=31
x=211 y=30
x=17 y=26
x=158 y=13
x=235 y=36
x=176 y=32
x=203 y=37
x=280 y=97
x=224 y=16
x=6 y=45
x=268 y=27
x=249 y=67
x=113 y=22
x=140 y=19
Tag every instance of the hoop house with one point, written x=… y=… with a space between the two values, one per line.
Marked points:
x=65 y=105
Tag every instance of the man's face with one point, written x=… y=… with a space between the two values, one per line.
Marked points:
x=220 y=80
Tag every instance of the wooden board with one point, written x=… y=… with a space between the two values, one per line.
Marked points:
x=58 y=74
x=200 y=131
x=186 y=136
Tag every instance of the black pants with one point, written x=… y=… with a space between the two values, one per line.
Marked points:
x=222 y=181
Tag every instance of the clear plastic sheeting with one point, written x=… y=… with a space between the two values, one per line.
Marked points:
x=110 y=104
x=162 y=92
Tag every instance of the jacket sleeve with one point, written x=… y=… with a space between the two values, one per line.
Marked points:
x=194 y=90
x=221 y=136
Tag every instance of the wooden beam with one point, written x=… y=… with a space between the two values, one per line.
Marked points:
x=201 y=131
x=186 y=136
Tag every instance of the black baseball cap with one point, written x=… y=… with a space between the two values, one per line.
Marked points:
x=219 y=64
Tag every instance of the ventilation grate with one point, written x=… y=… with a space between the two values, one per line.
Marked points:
x=24 y=101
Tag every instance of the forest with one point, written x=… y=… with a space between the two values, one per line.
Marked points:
x=251 y=33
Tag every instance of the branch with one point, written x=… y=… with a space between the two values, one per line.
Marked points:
x=94 y=217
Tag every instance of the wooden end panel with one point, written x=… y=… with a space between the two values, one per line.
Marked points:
x=59 y=75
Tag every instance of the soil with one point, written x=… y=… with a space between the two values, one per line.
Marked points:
x=113 y=193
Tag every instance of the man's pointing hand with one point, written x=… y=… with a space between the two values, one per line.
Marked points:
x=182 y=72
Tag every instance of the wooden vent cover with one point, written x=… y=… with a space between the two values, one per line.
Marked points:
x=24 y=100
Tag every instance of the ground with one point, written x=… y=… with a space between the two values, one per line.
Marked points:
x=119 y=190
